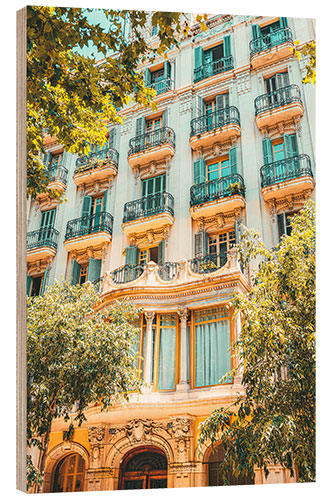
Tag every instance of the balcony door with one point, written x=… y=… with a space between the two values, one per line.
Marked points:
x=152 y=194
x=274 y=86
x=47 y=225
x=144 y=469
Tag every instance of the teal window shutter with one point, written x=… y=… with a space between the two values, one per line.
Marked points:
x=147 y=77
x=94 y=269
x=75 y=276
x=233 y=160
x=226 y=46
x=165 y=118
x=167 y=69
x=112 y=137
x=105 y=201
x=222 y=101
x=161 y=248
x=132 y=255
x=198 y=57
x=29 y=280
x=199 y=171
x=140 y=126
x=200 y=244
x=283 y=22
x=282 y=222
x=200 y=106
x=290 y=145
x=45 y=277
x=256 y=31
x=86 y=212
x=268 y=150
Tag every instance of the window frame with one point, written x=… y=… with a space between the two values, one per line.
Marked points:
x=157 y=328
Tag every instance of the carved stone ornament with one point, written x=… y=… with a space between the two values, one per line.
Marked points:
x=179 y=426
x=96 y=434
x=138 y=430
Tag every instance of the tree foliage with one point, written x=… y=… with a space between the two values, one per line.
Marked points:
x=308 y=51
x=75 y=357
x=68 y=94
x=273 y=421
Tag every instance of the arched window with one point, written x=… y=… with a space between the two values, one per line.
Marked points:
x=145 y=468
x=69 y=474
x=214 y=476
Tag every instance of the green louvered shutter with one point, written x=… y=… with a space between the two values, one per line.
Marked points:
x=200 y=244
x=75 y=276
x=94 y=269
x=267 y=150
x=132 y=255
x=147 y=77
x=112 y=138
x=226 y=46
x=236 y=231
x=167 y=70
x=255 y=31
x=165 y=118
x=283 y=22
x=44 y=282
x=282 y=222
x=86 y=212
x=29 y=280
x=199 y=171
x=290 y=145
x=233 y=160
x=198 y=57
x=222 y=101
x=160 y=257
x=140 y=126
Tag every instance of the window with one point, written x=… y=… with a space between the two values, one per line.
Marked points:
x=221 y=243
x=34 y=287
x=284 y=223
x=83 y=274
x=277 y=81
x=153 y=185
x=212 y=358
x=93 y=216
x=46 y=225
x=149 y=254
x=88 y=271
x=153 y=125
x=214 y=477
x=154 y=30
x=156 y=76
x=55 y=161
x=165 y=341
x=213 y=60
x=69 y=474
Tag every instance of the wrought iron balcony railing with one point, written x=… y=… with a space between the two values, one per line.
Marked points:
x=161 y=86
x=168 y=270
x=216 y=189
x=149 y=205
x=265 y=42
x=164 y=135
x=208 y=263
x=217 y=119
x=213 y=68
x=129 y=272
x=59 y=174
x=92 y=160
x=89 y=224
x=277 y=98
x=283 y=170
x=45 y=237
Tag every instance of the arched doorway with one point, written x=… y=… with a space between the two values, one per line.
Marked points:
x=214 y=477
x=143 y=468
x=69 y=474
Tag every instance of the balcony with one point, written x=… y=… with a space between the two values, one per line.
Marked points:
x=42 y=244
x=291 y=176
x=161 y=86
x=220 y=126
x=213 y=68
x=99 y=166
x=271 y=48
x=210 y=198
x=89 y=231
x=152 y=146
x=148 y=213
x=208 y=263
x=281 y=105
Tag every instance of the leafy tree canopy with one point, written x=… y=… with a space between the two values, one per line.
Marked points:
x=308 y=51
x=75 y=357
x=273 y=421
x=68 y=94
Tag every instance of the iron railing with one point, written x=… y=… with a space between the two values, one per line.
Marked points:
x=164 y=135
x=149 y=205
x=216 y=189
x=270 y=40
x=161 y=86
x=283 y=170
x=126 y=273
x=208 y=263
x=44 y=237
x=211 y=121
x=59 y=174
x=90 y=161
x=89 y=224
x=213 y=68
x=98 y=284
x=168 y=270
x=277 y=98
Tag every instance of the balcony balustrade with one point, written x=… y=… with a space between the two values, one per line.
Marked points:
x=208 y=263
x=60 y=174
x=219 y=126
x=285 y=177
x=42 y=243
x=127 y=273
x=260 y=48
x=280 y=105
x=100 y=165
x=161 y=86
x=168 y=271
x=91 y=230
x=152 y=146
x=213 y=68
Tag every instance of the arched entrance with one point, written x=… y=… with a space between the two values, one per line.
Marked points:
x=69 y=474
x=143 y=468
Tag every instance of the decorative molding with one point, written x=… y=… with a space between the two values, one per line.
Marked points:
x=243 y=81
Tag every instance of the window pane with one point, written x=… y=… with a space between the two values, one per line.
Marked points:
x=167 y=359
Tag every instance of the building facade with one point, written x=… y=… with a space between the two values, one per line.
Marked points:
x=153 y=217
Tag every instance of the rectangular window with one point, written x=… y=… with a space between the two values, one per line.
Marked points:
x=153 y=185
x=212 y=357
x=36 y=286
x=83 y=274
x=56 y=161
x=165 y=372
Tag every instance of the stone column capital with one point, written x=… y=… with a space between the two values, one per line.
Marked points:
x=183 y=315
x=149 y=315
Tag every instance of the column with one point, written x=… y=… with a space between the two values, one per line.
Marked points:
x=183 y=385
x=149 y=345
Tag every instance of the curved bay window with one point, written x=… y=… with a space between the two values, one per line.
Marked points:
x=214 y=476
x=69 y=474
x=212 y=341
x=142 y=469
